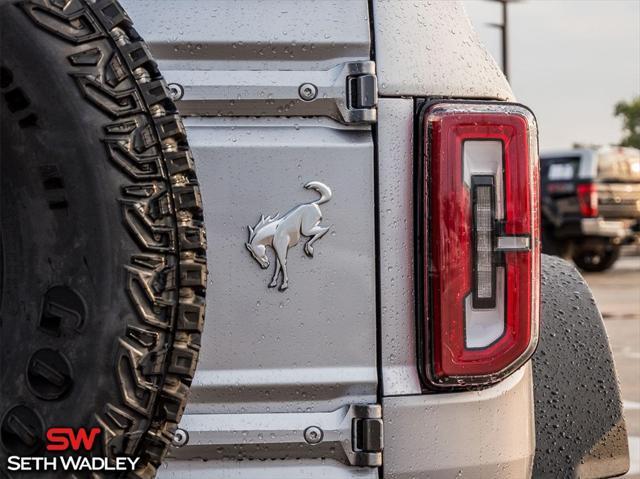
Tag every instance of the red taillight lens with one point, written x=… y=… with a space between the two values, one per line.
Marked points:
x=588 y=199
x=482 y=267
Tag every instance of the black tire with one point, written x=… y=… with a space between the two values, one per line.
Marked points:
x=596 y=260
x=103 y=246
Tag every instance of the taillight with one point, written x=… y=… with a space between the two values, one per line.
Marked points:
x=482 y=233
x=588 y=199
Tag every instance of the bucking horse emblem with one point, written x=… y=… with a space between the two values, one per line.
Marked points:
x=284 y=232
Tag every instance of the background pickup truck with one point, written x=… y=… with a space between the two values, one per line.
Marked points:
x=590 y=204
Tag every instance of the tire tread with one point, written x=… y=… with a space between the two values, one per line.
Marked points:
x=162 y=210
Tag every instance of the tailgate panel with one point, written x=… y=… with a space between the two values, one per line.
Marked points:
x=312 y=347
x=619 y=200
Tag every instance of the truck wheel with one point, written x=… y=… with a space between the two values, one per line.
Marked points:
x=103 y=271
x=596 y=259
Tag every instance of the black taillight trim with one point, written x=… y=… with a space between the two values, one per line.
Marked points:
x=478 y=181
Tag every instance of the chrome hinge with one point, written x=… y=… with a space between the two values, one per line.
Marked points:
x=361 y=93
x=351 y=434
x=367 y=438
x=347 y=92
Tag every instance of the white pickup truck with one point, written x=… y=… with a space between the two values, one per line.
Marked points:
x=376 y=306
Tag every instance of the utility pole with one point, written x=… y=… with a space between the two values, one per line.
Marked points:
x=505 y=39
x=504 y=30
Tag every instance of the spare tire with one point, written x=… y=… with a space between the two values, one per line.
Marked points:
x=103 y=269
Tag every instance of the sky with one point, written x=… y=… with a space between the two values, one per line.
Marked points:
x=571 y=61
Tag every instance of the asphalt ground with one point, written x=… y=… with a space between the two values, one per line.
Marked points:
x=617 y=293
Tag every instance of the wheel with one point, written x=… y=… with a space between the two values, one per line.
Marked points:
x=103 y=269
x=596 y=259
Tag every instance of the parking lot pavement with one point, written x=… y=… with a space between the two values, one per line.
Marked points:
x=617 y=293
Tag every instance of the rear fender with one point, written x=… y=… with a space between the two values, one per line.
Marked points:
x=580 y=429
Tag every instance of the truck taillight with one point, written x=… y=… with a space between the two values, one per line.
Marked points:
x=588 y=199
x=482 y=251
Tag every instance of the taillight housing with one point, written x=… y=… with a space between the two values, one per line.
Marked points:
x=481 y=242
x=588 y=199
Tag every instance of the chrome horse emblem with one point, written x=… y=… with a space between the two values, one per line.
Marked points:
x=284 y=232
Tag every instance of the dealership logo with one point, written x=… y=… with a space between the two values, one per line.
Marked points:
x=65 y=438
x=71 y=441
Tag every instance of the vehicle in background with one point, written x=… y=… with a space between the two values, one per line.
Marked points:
x=590 y=203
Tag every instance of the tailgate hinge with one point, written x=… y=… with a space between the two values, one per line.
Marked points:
x=348 y=92
x=351 y=434
x=367 y=437
x=361 y=93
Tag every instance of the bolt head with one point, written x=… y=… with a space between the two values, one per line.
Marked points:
x=313 y=434
x=176 y=90
x=308 y=91
x=180 y=438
